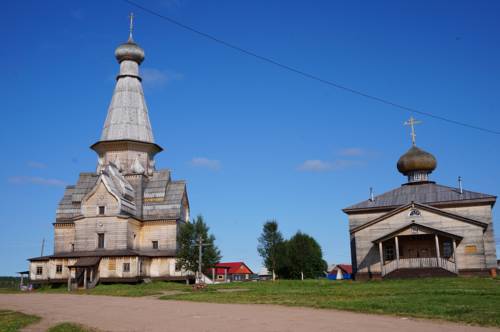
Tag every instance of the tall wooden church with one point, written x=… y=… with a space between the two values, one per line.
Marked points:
x=422 y=228
x=119 y=223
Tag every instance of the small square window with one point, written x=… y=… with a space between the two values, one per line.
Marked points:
x=39 y=270
x=58 y=269
x=155 y=244
x=126 y=267
x=102 y=210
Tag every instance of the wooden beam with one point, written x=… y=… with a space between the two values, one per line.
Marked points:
x=454 y=255
x=397 y=252
x=69 y=279
x=381 y=258
x=437 y=248
x=85 y=278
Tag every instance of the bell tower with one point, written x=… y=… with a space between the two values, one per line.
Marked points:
x=127 y=138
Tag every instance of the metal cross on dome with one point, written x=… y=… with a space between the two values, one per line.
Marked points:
x=131 y=28
x=412 y=122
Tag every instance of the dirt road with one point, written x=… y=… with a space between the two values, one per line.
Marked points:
x=150 y=314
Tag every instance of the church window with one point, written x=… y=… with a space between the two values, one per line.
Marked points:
x=126 y=267
x=155 y=244
x=447 y=249
x=415 y=213
x=58 y=268
x=100 y=240
x=389 y=253
x=102 y=210
x=39 y=270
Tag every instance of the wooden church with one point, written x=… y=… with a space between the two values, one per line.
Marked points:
x=422 y=228
x=119 y=223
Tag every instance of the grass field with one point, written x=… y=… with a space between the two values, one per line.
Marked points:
x=11 y=321
x=466 y=300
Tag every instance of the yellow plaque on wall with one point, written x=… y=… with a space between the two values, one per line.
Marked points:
x=112 y=264
x=470 y=249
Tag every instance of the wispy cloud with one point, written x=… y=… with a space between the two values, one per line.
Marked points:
x=155 y=77
x=316 y=165
x=36 y=164
x=353 y=152
x=37 y=180
x=202 y=162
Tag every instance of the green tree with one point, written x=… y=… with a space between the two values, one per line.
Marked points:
x=304 y=257
x=270 y=246
x=187 y=238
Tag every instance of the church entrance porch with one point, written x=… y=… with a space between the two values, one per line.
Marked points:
x=417 y=250
x=84 y=273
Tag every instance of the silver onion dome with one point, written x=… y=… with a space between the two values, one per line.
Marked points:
x=129 y=51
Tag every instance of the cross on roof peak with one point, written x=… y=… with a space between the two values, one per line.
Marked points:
x=131 y=27
x=412 y=122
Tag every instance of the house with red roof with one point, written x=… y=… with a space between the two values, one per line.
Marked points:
x=231 y=271
x=340 y=271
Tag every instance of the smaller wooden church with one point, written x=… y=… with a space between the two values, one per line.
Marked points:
x=422 y=228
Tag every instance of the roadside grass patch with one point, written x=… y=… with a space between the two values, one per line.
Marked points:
x=71 y=327
x=11 y=321
x=131 y=290
x=466 y=300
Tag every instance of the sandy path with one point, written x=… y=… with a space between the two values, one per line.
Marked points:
x=148 y=314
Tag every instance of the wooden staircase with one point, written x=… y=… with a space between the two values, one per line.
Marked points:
x=419 y=273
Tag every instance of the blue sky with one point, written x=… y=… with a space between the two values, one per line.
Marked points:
x=253 y=141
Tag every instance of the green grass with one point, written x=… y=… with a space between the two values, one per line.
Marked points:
x=467 y=300
x=70 y=327
x=153 y=288
x=11 y=321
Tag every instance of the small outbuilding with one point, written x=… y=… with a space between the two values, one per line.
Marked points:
x=340 y=272
x=232 y=271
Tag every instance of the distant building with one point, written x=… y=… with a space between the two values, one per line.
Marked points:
x=119 y=223
x=340 y=272
x=233 y=271
x=422 y=228
x=264 y=274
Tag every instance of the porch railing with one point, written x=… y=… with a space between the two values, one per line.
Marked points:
x=419 y=263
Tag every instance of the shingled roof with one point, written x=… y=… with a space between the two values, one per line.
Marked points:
x=162 y=198
x=426 y=193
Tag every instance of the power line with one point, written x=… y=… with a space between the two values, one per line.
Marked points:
x=308 y=75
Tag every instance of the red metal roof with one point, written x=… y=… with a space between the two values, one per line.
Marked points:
x=345 y=268
x=232 y=268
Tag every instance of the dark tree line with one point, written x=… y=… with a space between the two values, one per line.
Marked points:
x=295 y=258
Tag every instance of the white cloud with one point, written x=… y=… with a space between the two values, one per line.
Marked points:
x=211 y=164
x=36 y=164
x=352 y=152
x=155 y=77
x=36 y=180
x=316 y=165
